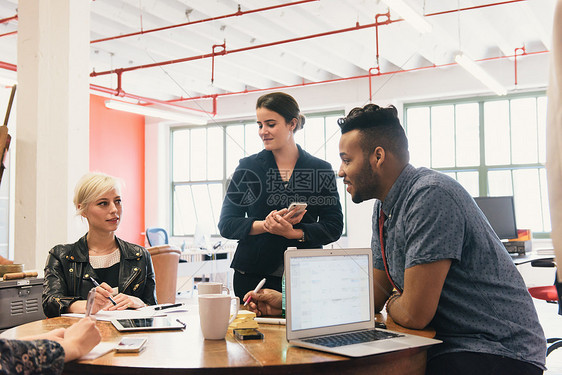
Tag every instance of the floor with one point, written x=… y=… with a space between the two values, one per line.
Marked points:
x=552 y=325
x=548 y=312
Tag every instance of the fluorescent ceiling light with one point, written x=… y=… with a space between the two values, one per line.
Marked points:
x=481 y=74
x=155 y=112
x=410 y=15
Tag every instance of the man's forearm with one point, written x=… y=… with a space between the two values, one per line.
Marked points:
x=397 y=308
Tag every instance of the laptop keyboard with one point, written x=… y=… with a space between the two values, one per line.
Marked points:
x=356 y=337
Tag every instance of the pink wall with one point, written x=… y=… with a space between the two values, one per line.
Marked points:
x=117 y=148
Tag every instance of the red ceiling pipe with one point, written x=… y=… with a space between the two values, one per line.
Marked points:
x=377 y=23
x=260 y=10
x=523 y=52
x=221 y=52
x=357 y=27
x=377 y=67
x=214 y=104
x=144 y=100
x=106 y=90
x=8 y=66
x=4 y=20
x=119 y=88
x=342 y=79
x=236 y=14
x=224 y=52
x=10 y=33
x=473 y=7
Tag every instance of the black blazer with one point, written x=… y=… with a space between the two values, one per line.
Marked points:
x=68 y=271
x=256 y=188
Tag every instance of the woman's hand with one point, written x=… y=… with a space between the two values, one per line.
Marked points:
x=54 y=335
x=291 y=217
x=76 y=340
x=101 y=300
x=275 y=223
x=125 y=301
x=80 y=338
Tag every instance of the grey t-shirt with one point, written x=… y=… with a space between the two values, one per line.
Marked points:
x=484 y=305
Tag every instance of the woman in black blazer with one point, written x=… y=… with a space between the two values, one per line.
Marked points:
x=254 y=210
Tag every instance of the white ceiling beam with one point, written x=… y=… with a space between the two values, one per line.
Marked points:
x=253 y=77
x=477 y=28
x=285 y=70
x=160 y=48
x=543 y=29
x=212 y=31
x=284 y=25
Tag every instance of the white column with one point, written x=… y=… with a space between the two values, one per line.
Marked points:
x=52 y=124
x=157 y=175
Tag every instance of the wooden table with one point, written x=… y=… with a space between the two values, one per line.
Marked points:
x=186 y=352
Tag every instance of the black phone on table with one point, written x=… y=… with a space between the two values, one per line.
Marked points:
x=248 y=334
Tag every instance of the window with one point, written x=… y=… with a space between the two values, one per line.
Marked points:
x=492 y=146
x=203 y=158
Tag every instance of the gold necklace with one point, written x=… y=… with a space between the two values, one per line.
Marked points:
x=106 y=251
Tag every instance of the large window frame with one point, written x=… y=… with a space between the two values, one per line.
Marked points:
x=238 y=139
x=491 y=174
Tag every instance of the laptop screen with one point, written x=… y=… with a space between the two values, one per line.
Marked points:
x=329 y=290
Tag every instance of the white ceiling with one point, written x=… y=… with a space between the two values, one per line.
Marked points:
x=478 y=31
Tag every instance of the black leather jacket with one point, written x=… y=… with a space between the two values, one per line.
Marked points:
x=68 y=270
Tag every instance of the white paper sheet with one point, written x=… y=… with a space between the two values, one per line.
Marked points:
x=120 y=314
x=145 y=312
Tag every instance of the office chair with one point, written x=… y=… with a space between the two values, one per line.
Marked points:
x=156 y=236
x=548 y=293
x=165 y=259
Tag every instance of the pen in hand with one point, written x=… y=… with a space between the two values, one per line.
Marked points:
x=260 y=285
x=97 y=284
x=90 y=302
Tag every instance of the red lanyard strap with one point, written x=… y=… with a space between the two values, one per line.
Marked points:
x=381 y=237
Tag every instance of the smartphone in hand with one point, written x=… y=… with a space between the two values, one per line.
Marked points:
x=296 y=208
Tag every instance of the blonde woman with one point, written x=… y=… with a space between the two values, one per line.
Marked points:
x=121 y=272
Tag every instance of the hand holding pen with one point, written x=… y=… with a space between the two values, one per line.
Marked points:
x=266 y=302
x=258 y=287
x=98 y=285
x=120 y=301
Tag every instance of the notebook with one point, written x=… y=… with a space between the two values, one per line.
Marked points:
x=329 y=297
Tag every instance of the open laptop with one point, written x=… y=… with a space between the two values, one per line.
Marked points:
x=329 y=297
